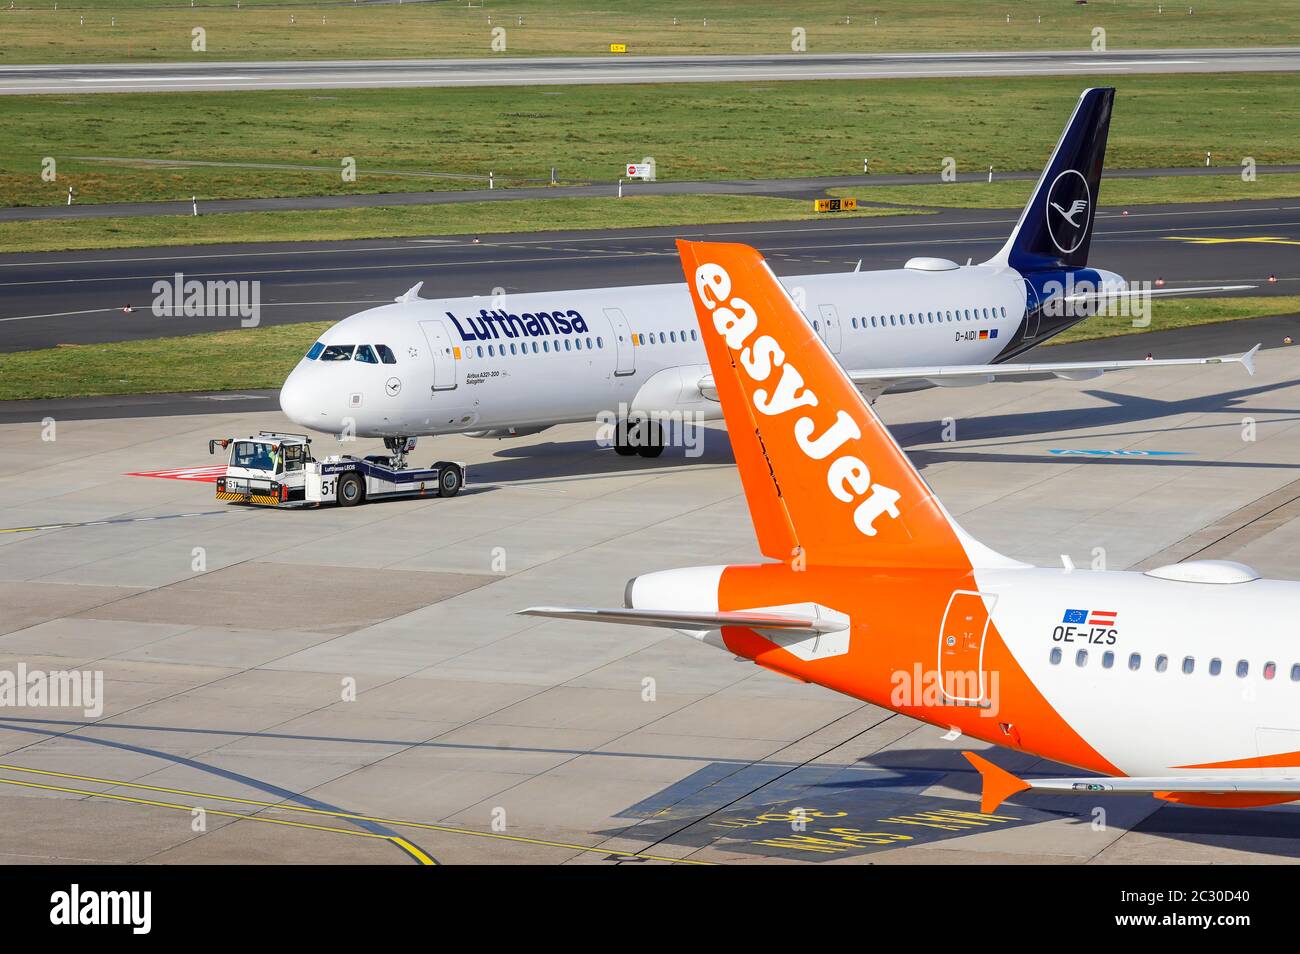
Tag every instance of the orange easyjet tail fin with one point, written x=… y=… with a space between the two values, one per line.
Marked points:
x=824 y=480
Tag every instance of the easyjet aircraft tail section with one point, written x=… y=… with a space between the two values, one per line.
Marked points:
x=824 y=480
x=1055 y=228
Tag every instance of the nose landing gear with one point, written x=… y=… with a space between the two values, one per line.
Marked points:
x=399 y=447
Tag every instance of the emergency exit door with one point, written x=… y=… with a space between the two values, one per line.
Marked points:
x=961 y=646
x=446 y=374
x=828 y=326
x=623 y=346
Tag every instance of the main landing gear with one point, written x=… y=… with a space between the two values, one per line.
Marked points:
x=641 y=436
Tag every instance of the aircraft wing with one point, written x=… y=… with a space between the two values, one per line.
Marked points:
x=999 y=784
x=969 y=375
x=674 y=619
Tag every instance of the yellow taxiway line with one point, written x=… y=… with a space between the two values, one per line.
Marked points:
x=1245 y=240
x=328 y=813
x=402 y=843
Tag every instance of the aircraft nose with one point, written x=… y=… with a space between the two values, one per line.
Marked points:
x=297 y=403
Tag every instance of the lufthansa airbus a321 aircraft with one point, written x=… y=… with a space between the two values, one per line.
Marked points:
x=423 y=367
x=1181 y=682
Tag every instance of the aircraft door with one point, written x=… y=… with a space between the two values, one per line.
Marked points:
x=1033 y=308
x=446 y=370
x=622 y=341
x=828 y=326
x=961 y=647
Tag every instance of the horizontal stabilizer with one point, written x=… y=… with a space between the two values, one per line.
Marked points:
x=1106 y=294
x=675 y=619
x=999 y=785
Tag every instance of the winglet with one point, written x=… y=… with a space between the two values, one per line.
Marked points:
x=999 y=784
x=1248 y=360
x=411 y=294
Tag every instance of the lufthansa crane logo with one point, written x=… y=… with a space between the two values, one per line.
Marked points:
x=1068 y=202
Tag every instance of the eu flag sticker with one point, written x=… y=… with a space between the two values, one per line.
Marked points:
x=1075 y=616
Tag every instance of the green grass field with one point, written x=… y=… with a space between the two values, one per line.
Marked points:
x=262 y=357
x=465 y=218
x=152 y=30
x=530 y=215
x=706 y=131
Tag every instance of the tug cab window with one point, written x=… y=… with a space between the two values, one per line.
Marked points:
x=338 y=353
x=386 y=354
x=294 y=456
x=254 y=455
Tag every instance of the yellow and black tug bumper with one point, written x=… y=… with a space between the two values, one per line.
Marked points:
x=271 y=496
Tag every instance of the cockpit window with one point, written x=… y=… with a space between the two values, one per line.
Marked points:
x=337 y=353
x=386 y=354
x=315 y=351
x=254 y=455
x=365 y=354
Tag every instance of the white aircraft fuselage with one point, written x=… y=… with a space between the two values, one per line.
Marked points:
x=533 y=360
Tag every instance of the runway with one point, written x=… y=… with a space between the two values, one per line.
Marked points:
x=348 y=686
x=79 y=297
x=561 y=71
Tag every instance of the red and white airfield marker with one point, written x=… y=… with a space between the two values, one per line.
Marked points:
x=207 y=474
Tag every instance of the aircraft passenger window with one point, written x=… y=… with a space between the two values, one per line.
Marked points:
x=1004 y=311
x=577 y=343
x=853 y=322
x=816 y=327
x=1162 y=662
x=600 y=342
x=1295 y=673
x=366 y=355
x=1188 y=664
x=512 y=348
x=663 y=338
x=1081 y=658
x=567 y=346
x=546 y=346
x=1107 y=659
x=1243 y=668
x=534 y=347
x=1216 y=666
x=642 y=337
x=1055 y=655
x=1135 y=661
x=692 y=334
x=1270 y=670
x=337 y=353
x=386 y=354
x=315 y=351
